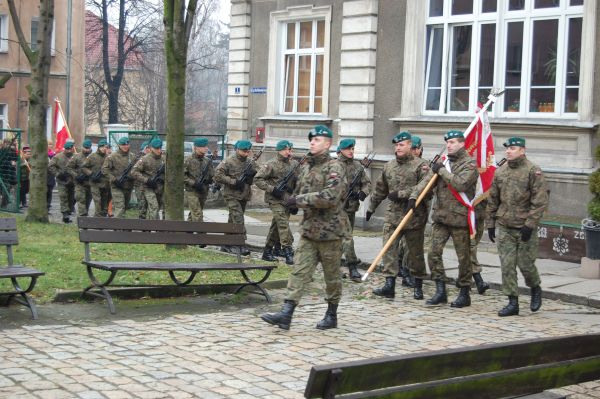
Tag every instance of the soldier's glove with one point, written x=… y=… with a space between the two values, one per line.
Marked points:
x=294 y=210
x=353 y=195
x=199 y=186
x=150 y=183
x=526 y=233
x=362 y=195
x=277 y=193
x=63 y=175
x=368 y=217
x=239 y=184
x=252 y=173
x=291 y=202
x=393 y=196
x=492 y=234
x=81 y=178
x=96 y=177
x=411 y=204
x=436 y=167
x=118 y=183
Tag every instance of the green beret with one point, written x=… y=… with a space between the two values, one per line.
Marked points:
x=346 y=143
x=416 y=142
x=87 y=143
x=453 y=134
x=200 y=142
x=144 y=145
x=283 y=144
x=156 y=143
x=243 y=145
x=320 y=130
x=515 y=141
x=102 y=142
x=123 y=141
x=68 y=145
x=402 y=136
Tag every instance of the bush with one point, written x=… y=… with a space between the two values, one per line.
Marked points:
x=594 y=209
x=594 y=181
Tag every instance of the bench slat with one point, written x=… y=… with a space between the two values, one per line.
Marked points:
x=109 y=265
x=8 y=224
x=19 y=271
x=161 y=237
x=158 y=225
x=8 y=237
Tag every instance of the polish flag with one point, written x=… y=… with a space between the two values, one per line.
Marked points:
x=61 y=130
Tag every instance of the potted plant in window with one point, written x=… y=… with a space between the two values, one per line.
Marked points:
x=591 y=225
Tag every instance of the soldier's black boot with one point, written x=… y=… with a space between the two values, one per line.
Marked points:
x=407 y=280
x=268 y=254
x=418 y=294
x=536 y=299
x=277 y=250
x=463 y=299
x=283 y=318
x=440 y=294
x=354 y=273
x=512 y=309
x=330 y=319
x=482 y=286
x=66 y=218
x=288 y=253
x=389 y=288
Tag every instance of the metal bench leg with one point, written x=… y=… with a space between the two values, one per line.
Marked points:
x=96 y=284
x=256 y=284
x=25 y=301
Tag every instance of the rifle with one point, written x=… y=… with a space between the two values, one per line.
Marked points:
x=154 y=180
x=282 y=186
x=95 y=177
x=247 y=172
x=125 y=175
x=199 y=183
x=366 y=162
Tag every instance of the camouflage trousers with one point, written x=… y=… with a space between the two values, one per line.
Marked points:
x=308 y=255
x=154 y=201
x=83 y=196
x=196 y=203
x=462 y=245
x=120 y=200
x=236 y=210
x=66 y=194
x=414 y=239
x=141 y=201
x=475 y=266
x=348 y=251
x=516 y=253
x=280 y=227
x=101 y=196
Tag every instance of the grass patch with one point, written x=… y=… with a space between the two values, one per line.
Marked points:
x=56 y=250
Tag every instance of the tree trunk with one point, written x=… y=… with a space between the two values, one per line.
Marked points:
x=113 y=104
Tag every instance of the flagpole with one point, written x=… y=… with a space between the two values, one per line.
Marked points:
x=491 y=99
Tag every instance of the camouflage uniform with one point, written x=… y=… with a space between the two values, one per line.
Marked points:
x=402 y=174
x=479 y=227
x=319 y=192
x=66 y=188
x=193 y=166
x=113 y=168
x=267 y=178
x=227 y=174
x=144 y=170
x=450 y=216
x=83 y=192
x=100 y=188
x=518 y=198
x=353 y=167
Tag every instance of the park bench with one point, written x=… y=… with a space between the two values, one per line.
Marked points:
x=8 y=237
x=168 y=232
x=506 y=370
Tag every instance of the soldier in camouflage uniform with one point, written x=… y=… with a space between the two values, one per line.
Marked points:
x=146 y=171
x=83 y=192
x=321 y=187
x=268 y=177
x=66 y=188
x=100 y=186
x=237 y=189
x=398 y=183
x=358 y=194
x=517 y=201
x=139 y=187
x=195 y=167
x=459 y=172
x=113 y=168
x=476 y=268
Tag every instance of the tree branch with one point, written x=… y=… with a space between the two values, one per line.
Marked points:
x=30 y=54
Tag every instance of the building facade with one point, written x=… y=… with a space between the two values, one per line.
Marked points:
x=371 y=68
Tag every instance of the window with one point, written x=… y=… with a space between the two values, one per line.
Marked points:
x=3 y=33
x=531 y=48
x=35 y=22
x=3 y=116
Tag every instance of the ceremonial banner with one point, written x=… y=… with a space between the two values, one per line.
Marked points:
x=61 y=130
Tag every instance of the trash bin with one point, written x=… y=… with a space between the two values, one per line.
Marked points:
x=592 y=238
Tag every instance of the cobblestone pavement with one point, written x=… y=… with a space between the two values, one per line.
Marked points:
x=231 y=353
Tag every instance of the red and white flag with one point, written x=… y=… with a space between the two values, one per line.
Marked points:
x=480 y=145
x=61 y=130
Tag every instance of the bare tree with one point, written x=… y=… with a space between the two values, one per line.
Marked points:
x=39 y=61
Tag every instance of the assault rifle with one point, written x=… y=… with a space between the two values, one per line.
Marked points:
x=120 y=182
x=365 y=163
x=154 y=180
x=248 y=172
x=199 y=183
x=282 y=186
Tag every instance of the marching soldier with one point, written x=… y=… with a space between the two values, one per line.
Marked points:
x=237 y=187
x=113 y=168
x=149 y=171
x=399 y=183
x=139 y=187
x=319 y=192
x=358 y=194
x=476 y=268
x=198 y=175
x=83 y=192
x=450 y=218
x=517 y=201
x=99 y=184
x=268 y=177
x=66 y=188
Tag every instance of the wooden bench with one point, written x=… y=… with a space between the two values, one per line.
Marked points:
x=8 y=237
x=512 y=369
x=136 y=231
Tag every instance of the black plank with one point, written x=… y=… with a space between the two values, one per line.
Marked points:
x=158 y=225
x=19 y=271
x=8 y=224
x=110 y=265
x=162 y=237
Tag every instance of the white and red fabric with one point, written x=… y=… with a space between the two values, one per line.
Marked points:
x=61 y=131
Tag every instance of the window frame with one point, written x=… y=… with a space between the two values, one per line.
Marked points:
x=4 y=33
x=3 y=115
x=52 y=40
